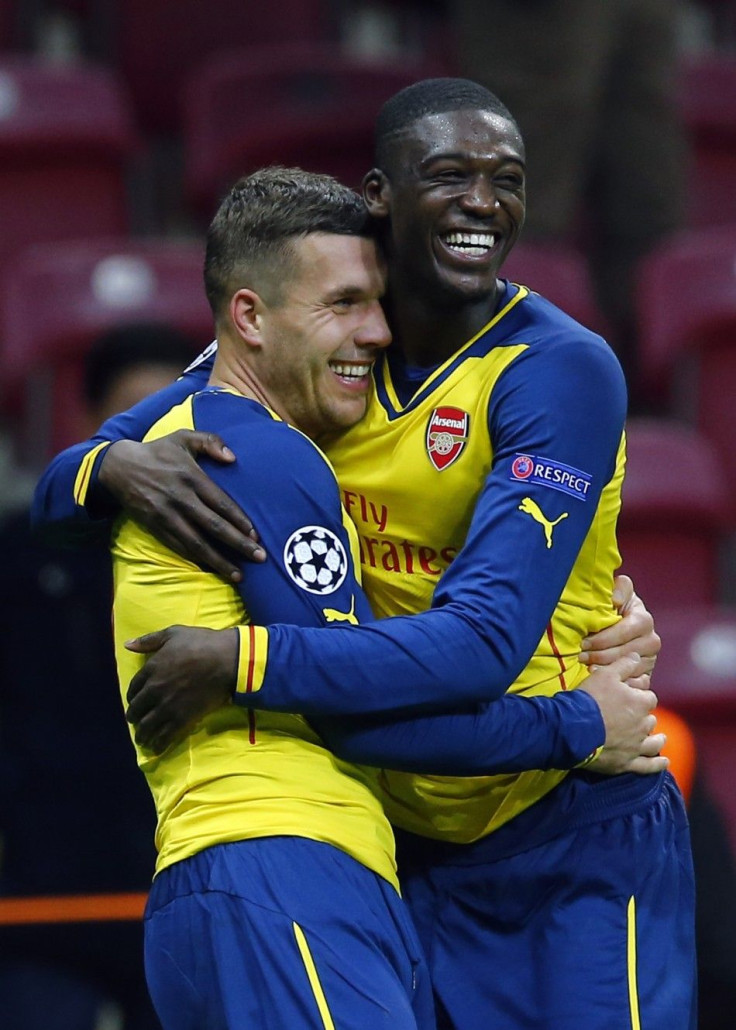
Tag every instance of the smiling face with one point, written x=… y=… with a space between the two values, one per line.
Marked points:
x=453 y=192
x=322 y=336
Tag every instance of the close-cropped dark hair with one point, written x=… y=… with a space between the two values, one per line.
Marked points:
x=249 y=242
x=131 y=346
x=430 y=96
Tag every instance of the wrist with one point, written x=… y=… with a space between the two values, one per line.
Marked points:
x=90 y=492
x=251 y=660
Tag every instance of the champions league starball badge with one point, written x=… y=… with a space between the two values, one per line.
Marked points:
x=316 y=560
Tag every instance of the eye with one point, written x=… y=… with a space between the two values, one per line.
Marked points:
x=448 y=175
x=343 y=303
x=509 y=181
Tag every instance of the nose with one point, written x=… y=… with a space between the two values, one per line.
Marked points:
x=374 y=330
x=480 y=196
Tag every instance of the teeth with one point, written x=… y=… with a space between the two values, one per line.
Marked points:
x=475 y=243
x=350 y=371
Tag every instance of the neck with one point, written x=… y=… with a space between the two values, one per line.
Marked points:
x=430 y=333
x=231 y=372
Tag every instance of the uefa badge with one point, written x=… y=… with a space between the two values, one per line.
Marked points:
x=316 y=560
x=447 y=434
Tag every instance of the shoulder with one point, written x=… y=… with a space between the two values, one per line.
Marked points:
x=264 y=445
x=560 y=349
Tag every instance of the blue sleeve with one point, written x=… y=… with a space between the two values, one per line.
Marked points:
x=511 y=734
x=67 y=516
x=308 y=578
x=286 y=481
x=566 y=400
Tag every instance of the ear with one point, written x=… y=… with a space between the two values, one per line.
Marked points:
x=246 y=311
x=377 y=193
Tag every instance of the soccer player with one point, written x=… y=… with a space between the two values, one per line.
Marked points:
x=450 y=191
x=265 y=842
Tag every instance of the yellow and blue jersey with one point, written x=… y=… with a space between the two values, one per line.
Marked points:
x=242 y=774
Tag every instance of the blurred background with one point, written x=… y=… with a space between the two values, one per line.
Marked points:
x=122 y=122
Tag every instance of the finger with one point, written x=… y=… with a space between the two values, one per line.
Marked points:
x=223 y=506
x=626 y=666
x=597 y=658
x=653 y=745
x=648 y=766
x=180 y=534
x=640 y=682
x=648 y=698
x=198 y=443
x=136 y=685
x=148 y=643
x=182 y=539
x=150 y=727
x=140 y=706
x=637 y=625
x=623 y=592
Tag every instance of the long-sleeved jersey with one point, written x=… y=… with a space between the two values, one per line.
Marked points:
x=242 y=774
x=525 y=425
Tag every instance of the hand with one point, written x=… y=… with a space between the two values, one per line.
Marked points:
x=190 y=672
x=626 y=704
x=633 y=632
x=161 y=485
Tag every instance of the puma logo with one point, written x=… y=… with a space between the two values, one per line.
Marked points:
x=333 y=615
x=532 y=508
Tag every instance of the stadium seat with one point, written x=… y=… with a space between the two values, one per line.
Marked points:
x=66 y=135
x=560 y=273
x=59 y=297
x=295 y=105
x=708 y=105
x=687 y=333
x=155 y=46
x=675 y=514
x=696 y=677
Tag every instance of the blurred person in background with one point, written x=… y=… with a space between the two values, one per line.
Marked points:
x=75 y=815
x=592 y=86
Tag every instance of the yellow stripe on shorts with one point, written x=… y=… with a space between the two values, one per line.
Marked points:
x=631 y=963
x=319 y=994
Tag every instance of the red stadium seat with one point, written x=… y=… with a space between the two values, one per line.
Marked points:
x=65 y=138
x=708 y=104
x=293 y=105
x=687 y=333
x=560 y=273
x=675 y=514
x=59 y=297
x=696 y=677
x=155 y=44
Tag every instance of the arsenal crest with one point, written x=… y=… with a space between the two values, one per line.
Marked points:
x=447 y=433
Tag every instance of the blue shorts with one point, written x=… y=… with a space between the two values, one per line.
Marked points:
x=282 y=933
x=593 y=928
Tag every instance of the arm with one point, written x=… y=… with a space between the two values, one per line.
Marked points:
x=492 y=605
x=160 y=482
x=69 y=502
x=516 y=733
